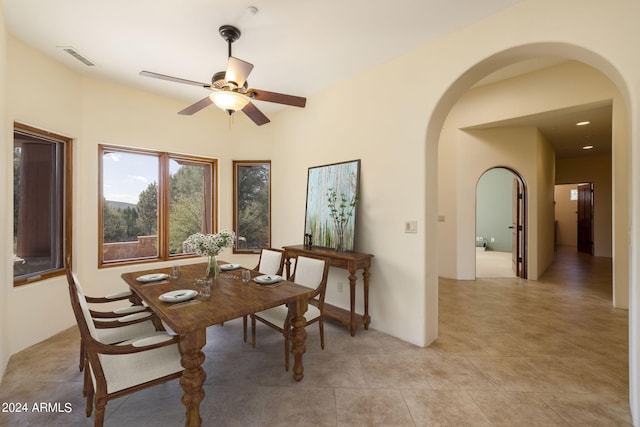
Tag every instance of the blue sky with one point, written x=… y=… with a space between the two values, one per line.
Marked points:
x=126 y=175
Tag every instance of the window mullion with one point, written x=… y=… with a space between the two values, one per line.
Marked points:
x=163 y=211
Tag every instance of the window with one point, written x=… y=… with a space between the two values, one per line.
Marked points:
x=574 y=194
x=41 y=204
x=252 y=205
x=150 y=202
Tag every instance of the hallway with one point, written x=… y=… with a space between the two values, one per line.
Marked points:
x=511 y=352
x=558 y=338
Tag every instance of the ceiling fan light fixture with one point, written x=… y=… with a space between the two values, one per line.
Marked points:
x=229 y=101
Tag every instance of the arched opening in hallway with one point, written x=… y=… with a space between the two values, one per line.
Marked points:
x=501 y=226
x=514 y=123
x=453 y=225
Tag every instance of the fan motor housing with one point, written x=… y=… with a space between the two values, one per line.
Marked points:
x=219 y=82
x=229 y=33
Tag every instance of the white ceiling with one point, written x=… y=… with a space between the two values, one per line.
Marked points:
x=298 y=47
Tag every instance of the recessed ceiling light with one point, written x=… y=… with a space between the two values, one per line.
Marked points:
x=582 y=123
x=587 y=147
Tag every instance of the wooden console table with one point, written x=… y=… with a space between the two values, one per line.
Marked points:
x=350 y=261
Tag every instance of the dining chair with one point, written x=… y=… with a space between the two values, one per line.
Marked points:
x=271 y=262
x=120 y=369
x=311 y=272
x=109 y=333
x=112 y=327
x=117 y=325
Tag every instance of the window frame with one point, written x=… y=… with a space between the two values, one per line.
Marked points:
x=236 y=165
x=164 y=202
x=66 y=202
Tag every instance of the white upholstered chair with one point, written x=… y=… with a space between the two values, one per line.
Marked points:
x=271 y=262
x=117 y=325
x=123 y=368
x=309 y=272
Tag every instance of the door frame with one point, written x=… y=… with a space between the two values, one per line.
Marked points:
x=519 y=211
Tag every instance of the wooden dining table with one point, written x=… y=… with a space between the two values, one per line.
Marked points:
x=230 y=299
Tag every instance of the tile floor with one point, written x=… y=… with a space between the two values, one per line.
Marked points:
x=494 y=264
x=511 y=352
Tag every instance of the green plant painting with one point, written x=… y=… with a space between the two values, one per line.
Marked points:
x=341 y=179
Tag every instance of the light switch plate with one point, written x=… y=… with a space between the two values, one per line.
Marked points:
x=411 y=227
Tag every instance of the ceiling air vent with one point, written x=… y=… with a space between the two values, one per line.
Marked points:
x=80 y=57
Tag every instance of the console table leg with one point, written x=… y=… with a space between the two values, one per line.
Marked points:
x=366 y=317
x=352 y=296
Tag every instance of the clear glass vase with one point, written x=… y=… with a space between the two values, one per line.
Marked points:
x=339 y=238
x=213 y=270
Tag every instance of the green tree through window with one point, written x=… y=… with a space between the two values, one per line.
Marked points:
x=252 y=207
x=143 y=218
x=187 y=207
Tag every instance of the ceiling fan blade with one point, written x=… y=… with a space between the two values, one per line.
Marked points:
x=194 y=108
x=174 y=79
x=254 y=114
x=238 y=71
x=279 y=98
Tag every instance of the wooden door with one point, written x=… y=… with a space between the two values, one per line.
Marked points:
x=517 y=228
x=585 y=218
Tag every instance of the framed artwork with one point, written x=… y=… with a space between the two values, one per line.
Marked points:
x=342 y=182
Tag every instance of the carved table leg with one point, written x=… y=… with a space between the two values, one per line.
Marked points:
x=352 y=295
x=193 y=375
x=366 y=319
x=298 y=336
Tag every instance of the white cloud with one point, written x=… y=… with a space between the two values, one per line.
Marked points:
x=139 y=178
x=114 y=157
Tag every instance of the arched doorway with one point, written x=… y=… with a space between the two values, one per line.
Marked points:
x=483 y=134
x=501 y=226
x=620 y=187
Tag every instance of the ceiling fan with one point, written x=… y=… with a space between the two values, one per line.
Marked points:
x=231 y=91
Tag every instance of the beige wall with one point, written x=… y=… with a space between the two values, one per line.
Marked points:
x=477 y=151
x=394 y=132
x=621 y=200
x=6 y=182
x=545 y=173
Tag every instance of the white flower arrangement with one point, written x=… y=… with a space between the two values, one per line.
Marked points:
x=210 y=244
